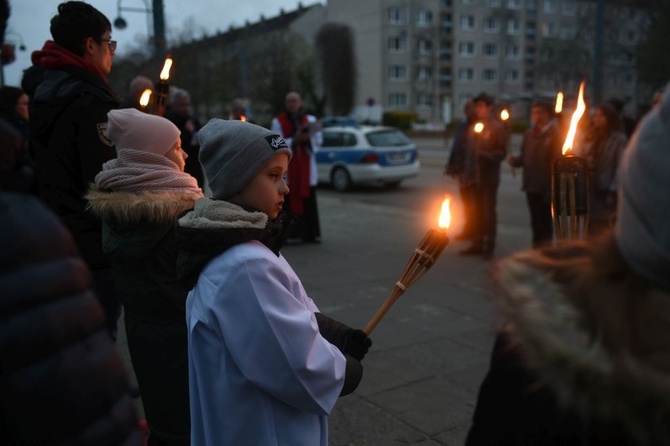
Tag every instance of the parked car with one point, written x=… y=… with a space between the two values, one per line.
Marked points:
x=339 y=121
x=364 y=154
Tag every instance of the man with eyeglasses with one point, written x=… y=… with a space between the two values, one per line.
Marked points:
x=68 y=121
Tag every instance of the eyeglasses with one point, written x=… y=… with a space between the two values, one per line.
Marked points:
x=112 y=43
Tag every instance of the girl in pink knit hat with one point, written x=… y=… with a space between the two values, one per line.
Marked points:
x=138 y=195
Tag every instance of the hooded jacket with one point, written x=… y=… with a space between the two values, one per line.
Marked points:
x=68 y=120
x=584 y=358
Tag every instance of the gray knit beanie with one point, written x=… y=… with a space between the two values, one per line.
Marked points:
x=642 y=229
x=232 y=153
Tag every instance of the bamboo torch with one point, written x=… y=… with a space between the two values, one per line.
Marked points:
x=422 y=259
x=162 y=88
x=569 y=185
x=145 y=100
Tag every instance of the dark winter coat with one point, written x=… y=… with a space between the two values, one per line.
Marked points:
x=62 y=381
x=139 y=240
x=584 y=357
x=538 y=149
x=484 y=153
x=68 y=121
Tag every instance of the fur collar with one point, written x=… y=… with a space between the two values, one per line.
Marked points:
x=130 y=207
x=219 y=214
x=596 y=333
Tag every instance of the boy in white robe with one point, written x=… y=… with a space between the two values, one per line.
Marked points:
x=266 y=368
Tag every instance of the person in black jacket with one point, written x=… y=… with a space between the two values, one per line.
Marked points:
x=62 y=380
x=68 y=119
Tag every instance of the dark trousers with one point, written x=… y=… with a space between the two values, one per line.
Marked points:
x=466 y=199
x=483 y=215
x=540 y=219
x=307 y=227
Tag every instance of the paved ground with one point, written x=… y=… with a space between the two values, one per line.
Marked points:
x=431 y=351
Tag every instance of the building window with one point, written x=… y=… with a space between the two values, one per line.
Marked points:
x=512 y=51
x=466 y=49
x=569 y=7
x=512 y=76
x=493 y=3
x=425 y=46
x=531 y=5
x=397 y=44
x=466 y=74
x=491 y=25
x=490 y=50
x=424 y=100
x=513 y=26
x=424 y=18
x=548 y=29
x=568 y=31
x=397 y=16
x=425 y=73
x=397 y=73
x=489 y=75
x=467 y=21
x=397 y=100
x=549 y=6
x=514 y=4
x=631 y=36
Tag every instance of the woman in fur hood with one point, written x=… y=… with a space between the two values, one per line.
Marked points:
x=584 y=357
x=138 y=195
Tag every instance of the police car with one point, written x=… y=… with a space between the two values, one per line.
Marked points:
x=365 y=154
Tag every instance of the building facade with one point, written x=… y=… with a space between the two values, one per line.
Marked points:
x=430 y=56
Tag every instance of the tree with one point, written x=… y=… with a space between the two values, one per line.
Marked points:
x=335 y=52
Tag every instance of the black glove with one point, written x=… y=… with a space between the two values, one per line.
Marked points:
x=352 y=342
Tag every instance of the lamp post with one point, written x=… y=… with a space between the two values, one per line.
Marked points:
x=155 y=12
x=7 y=54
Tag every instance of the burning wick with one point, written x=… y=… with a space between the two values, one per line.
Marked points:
x=422 y=259
x=504 y=114
x=479 y=127
x=145 y=98
x=559 y=102
x=576 y=116
x=165 y=72
x=243 y=118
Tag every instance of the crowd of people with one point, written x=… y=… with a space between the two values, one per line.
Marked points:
x=181 y=225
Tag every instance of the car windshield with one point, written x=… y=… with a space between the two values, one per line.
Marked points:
x=387 y=138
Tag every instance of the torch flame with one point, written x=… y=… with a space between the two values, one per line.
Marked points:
x=479 y=127
x=445 y=215
x=504 y=114
x=165 y=72
x=243 y=118
x=144 y=99
x=576 y=116
x=559 y=102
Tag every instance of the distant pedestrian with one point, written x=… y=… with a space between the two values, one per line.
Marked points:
x=68 y=121
x=266 y=368
x=540 y=146
x=583 y=358
x=138 y=85
x=181 y=115
x=486 y=150
x=139 y=195
x=301 y=133
x=238 y=111
x=455 y=166
x=602 y=147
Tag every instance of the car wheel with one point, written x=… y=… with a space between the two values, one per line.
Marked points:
x=340 y=179
x=391 y=184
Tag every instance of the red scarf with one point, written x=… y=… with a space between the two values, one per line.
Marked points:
x=53 y=55
x=299 y=167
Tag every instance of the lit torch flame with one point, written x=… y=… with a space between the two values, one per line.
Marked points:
x=504 y=114
x=479 y=127
x=559 y=102
x=243 y=118
x=576 y=116
x=146 y=96
x=165 y=72
x=445 y=215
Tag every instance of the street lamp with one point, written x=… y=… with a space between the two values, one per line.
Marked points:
x=7 y=53
x=156 y=10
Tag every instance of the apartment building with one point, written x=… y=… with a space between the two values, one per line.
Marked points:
x=430 y=56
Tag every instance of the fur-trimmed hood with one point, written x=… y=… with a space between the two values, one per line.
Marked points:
x=133 y=207
x=597 y=334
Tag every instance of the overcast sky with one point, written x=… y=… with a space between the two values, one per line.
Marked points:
x=30 y=19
